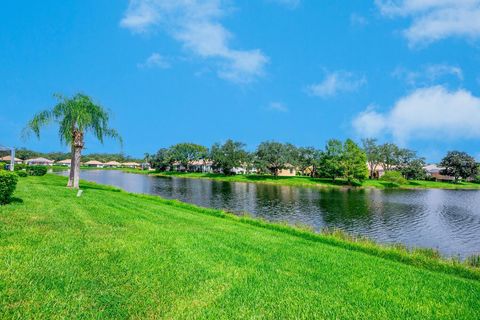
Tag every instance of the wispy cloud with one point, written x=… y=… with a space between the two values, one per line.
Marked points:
x=196 y=25
x=277 y=106
x=429 y=74
x=433 y=113
x=155 y=60
x=358 y=20
x=433 y=20
x=335 y=83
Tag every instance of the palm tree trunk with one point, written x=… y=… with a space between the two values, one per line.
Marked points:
x=76 y=168
x=77 y=154
x=72 y=165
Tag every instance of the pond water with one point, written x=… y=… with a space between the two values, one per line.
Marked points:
x=448 y=220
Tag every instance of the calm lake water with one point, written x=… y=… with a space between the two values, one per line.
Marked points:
x=448 y=220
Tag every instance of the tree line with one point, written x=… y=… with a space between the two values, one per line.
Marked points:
x=25 y=154
x=339 y=159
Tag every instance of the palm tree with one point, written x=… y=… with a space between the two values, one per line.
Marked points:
x=75 y=116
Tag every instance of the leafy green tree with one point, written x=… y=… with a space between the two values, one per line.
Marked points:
x=75 y=116
x=162 y=160
x=414 y=169
x=273 y=156
x=374 y=157
x=389 y=154
x=353 y=162
x=188 y=152
x=228 y=156
x=307 y=158
x=459 y=165
x=331 y=158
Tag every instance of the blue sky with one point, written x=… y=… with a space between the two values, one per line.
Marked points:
x=298 y=71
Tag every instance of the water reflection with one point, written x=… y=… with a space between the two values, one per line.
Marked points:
x=448 y=220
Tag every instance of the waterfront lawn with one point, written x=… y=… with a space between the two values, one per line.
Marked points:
x=319 y=182
x=110 y=254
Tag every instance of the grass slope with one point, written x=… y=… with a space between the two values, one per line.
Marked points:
x=318 y=182
x=110 y=254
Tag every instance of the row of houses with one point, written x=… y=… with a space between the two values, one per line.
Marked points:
x=206 y=166
x=433 y=171
x=67 y=162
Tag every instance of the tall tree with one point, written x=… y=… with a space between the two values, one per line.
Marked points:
x=354 y=162
x=76 y=116
x=273 y=156
x=330 y=163
x=162 y=159
x=459 y=165
x=185 y=153
x=374 y=157
x=228 y=156
x=307 y=159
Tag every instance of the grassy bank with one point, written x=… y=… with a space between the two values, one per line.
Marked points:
x=319 y=182
x=110 y=254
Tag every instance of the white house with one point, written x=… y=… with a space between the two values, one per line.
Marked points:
x=131 y=165
x=94 y=164
x=112 y=164
x=66 y=162
x=39 y=162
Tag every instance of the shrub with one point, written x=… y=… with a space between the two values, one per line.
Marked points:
x=8 y=183
x=21 y=174
x=20 y=166
x=36 y=170
x=3 y=166
x=394 y=177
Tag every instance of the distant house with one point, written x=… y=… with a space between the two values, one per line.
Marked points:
x=434 y=172
x=288 y=171
x=377 y=173
x=66 y=162
x=94 y=164
x=146 y=166
x=39 y=162
x=200 y=166
x=8 y=158
x=131 y=165
x=112 y=164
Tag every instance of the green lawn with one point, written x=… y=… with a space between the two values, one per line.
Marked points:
x=319 y=182
x=110 y=254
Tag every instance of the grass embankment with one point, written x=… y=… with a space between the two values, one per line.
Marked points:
x=318 y=182
x=110 y=254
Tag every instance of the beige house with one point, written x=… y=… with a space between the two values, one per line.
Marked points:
x=288 y=171
x=39 y=162
x=94 y=164
x=66 y=162
x=8 y=158
x=112 y=164
x=377 y=173
x=131 y=165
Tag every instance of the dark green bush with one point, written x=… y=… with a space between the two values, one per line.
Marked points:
x=394 y=177
x=8 y=183
x=36 y=170
x=21 y=174
x=20 y=166
x=3 y=165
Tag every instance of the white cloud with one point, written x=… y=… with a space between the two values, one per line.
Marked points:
x=278 y=106
x=155 y=60
x=427 y=113
x=196 y=25
x=429 y=74
x=336 y=82
x=433 y=20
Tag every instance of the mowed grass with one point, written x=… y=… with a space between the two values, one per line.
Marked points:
x=302 y=181
x=110 y=254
